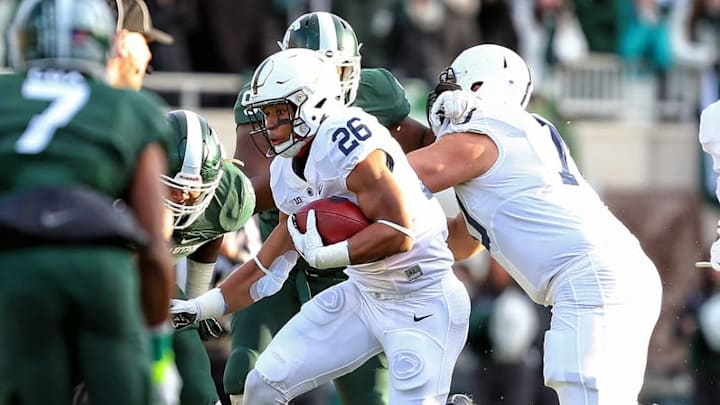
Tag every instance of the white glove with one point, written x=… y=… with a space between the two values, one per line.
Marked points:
x=274 y=277
x=715 y=252
x=455 y=105
x=310 y=245
x=183 y=313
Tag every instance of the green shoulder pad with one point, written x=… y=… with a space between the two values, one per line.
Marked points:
x=381 y=95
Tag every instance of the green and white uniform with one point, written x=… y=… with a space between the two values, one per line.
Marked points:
x=231 y=207
x=380 y=95
x=72 y=308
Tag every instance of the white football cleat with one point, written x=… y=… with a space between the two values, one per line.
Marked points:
x=460 y=399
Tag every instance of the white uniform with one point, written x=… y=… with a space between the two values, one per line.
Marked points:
x=709 y=135
x=409 y=305
x=541 y=220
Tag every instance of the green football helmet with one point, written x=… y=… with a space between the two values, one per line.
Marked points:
x=333 y=38
x=61 y=34
x=194 y=166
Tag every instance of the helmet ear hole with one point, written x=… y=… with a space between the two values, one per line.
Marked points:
x=475 y=86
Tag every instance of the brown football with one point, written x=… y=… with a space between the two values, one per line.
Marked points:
x=337 y=218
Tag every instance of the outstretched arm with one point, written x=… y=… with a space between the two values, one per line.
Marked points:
x=252 y=281
x=453 y=159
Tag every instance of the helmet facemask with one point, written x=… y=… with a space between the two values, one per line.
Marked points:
x=200 y=196
x=195 y=167
x=288 y=109
x=301 y=87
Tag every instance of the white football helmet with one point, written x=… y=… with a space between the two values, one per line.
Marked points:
x=497 y=73
x=296 y=77
x=334 y=39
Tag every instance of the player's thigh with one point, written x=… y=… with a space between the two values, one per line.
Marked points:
x=34 y=361
x=112 y=341
x=588 y=343
x=422 y=350
x=327 y=339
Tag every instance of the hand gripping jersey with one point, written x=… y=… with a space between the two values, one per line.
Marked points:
x=532 y=209
x=231 y=207
x=344 y=140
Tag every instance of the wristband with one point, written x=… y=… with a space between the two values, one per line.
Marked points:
x=335 y=255
x=211 y=304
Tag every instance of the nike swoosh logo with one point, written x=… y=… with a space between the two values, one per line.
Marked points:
x=420 y=318
x=184 y=241
x=53 y=219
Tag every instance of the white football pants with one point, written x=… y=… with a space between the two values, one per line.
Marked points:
x=421 y=333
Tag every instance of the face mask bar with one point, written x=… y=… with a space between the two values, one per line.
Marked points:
x=185 y=215
x=259 y=126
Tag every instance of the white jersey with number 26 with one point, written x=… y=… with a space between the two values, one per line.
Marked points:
x=532 y=209
x=343 y=141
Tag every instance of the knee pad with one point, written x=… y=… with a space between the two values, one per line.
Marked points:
x=259 y=391
x=237 y=367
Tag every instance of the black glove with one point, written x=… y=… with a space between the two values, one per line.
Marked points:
x=446 y=83
x=210 y=328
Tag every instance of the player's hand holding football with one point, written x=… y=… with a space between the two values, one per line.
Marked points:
x=715 y=252
x=310 y=245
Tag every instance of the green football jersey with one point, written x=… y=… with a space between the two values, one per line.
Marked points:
x=379 y=94
x=231 y=207
x=60 y=128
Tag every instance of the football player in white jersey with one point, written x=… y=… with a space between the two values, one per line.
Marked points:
x=523 y=198
x=401 y=297
x=709 y=135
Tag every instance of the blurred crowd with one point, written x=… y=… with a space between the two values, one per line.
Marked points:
x=417 y=38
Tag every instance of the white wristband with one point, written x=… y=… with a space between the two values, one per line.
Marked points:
x=335 y=255
x=211 y=304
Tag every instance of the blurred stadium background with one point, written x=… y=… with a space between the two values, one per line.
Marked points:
x=624 y=80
